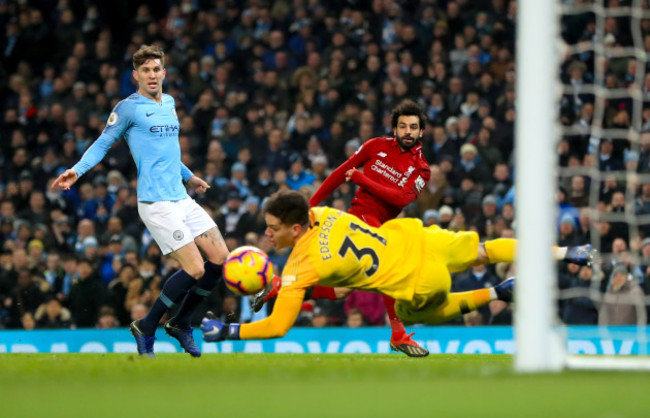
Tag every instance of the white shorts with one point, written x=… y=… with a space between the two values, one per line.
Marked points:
x=174 y=224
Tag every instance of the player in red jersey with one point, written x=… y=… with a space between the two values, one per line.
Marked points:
x=394 y=173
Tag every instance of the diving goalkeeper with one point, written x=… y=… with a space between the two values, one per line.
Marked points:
x=402 y=259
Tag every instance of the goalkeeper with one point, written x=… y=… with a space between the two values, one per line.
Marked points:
x=402 y=259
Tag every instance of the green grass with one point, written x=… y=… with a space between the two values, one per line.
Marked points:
x=307 y=385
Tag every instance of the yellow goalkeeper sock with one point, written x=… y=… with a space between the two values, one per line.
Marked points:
x=501 y=250
x=559 y=252
x=461 y=303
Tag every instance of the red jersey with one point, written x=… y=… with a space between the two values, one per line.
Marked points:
x=391 y=179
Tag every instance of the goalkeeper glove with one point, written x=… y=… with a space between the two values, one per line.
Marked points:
x=215 y=330
x=269 y=292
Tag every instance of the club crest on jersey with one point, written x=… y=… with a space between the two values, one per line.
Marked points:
x=288 y=279
x=112 y=119
x=408 y=173
x=178 y=235
x=419 y=184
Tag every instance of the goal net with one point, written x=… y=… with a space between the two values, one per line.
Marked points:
x=583 y=175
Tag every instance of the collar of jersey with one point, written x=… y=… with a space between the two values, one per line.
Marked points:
x=162 y=99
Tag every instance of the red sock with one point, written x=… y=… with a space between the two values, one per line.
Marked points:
x=322 y=292
x=395 y=324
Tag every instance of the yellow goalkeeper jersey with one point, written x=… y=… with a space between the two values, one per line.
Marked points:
x=339 y=250
x=398 y=259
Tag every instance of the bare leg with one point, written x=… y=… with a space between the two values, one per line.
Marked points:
x=190 y=260
x=212 y=245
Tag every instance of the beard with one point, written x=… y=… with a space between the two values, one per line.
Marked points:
x=407 y=141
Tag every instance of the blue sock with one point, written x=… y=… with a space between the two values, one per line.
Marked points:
x=196 y=295
x=173 y=291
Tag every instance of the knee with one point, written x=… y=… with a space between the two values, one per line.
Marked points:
x=405 y=312
x=421 y=309
x=196 y=271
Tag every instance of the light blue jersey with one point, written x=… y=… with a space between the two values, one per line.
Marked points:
x=151 y=130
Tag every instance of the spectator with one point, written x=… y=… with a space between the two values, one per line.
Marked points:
x=54 y=273
x=63 y=235
x=114 y=230
x=36 y=212
x=238 y=179
x=230 y=212
x=118 y=290
x=567 y=233
x=86 y=296
x=319 y=318
x=478 y=277
x=85 y=235
x=470 y=166
x=251 y=220
x=432 y=193
x=297 y=175
x=488 y=152
x=500 y=313
x=138 y=311
x=25 y=298
x=107 y=318
x=52 y=315
x=430 y=217
x=27 y=321
x=578 y=196
x=443 y=146
x=623 y=303
x=370 y=305
x=145 y=287
x=580 y=308
x=334 y=73
x=355 y=318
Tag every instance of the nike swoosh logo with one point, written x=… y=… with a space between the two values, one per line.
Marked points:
x=213 y=331
x=149 y=114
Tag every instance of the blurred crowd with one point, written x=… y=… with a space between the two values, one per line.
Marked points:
x=276 y=94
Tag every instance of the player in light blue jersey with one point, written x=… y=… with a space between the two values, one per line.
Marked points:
x=147 y=120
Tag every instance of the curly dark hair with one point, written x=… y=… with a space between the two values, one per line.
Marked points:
x=407 y=108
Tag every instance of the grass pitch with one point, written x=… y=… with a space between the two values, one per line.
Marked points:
x=307 y=385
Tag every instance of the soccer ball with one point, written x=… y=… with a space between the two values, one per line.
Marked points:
x=247 y=270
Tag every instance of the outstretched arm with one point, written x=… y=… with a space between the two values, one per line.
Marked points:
x=118 y=122
x=337 y=177
x=285 y=312
x=330 y=184
x=91 y=157
x=390 y=194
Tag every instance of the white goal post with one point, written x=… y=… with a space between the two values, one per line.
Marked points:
x=541 y=344
x=538 y=348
